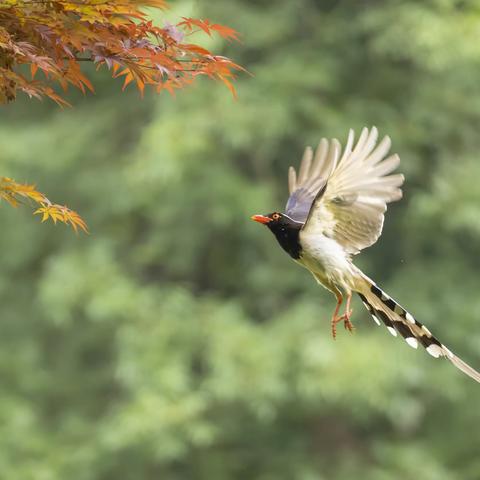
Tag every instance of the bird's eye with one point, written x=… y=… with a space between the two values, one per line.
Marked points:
x=275 y=216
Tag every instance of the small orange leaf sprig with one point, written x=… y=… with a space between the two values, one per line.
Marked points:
x=56 y=37
x=14 y=193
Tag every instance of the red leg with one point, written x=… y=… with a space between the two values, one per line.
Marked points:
x=336 y=318
x=348 y=313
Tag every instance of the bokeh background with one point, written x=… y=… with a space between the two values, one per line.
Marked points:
x=178 y=341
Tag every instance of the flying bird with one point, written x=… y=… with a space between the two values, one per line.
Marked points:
x=336 y=209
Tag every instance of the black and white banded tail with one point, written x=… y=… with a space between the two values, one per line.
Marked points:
x=398 y=321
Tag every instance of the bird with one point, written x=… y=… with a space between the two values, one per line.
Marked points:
x=336 y=209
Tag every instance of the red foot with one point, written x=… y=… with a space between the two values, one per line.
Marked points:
x=345 y=317
x=346 y=323
x=335 y=320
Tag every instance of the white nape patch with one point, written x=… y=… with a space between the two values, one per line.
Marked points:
x=377 y=321
x=392 y=331
x=434 y=350
x=410 y=319
x=426 y=330
x=412 y=342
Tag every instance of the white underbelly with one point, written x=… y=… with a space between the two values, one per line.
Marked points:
x=327 y=258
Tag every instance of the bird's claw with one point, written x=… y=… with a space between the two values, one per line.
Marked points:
x=346 y=323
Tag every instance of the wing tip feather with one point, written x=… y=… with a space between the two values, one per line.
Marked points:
x=292 y=179
x=305 y=164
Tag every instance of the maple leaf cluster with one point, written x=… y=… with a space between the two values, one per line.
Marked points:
x=55 y=37
x=14 y=193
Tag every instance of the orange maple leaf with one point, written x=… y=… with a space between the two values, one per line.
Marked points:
x=13 y=193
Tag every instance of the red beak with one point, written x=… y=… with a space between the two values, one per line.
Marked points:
x=261 y=218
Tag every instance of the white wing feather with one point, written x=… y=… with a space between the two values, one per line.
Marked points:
x=350 y=209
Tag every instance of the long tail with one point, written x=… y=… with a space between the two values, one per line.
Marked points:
x=397 y=320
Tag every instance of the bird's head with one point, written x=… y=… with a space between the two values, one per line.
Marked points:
x=285 y=229
x=276 y=221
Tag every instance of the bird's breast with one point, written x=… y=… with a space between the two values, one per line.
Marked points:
x=324 y=255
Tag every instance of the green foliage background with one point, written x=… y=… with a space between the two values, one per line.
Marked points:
x=177 y=341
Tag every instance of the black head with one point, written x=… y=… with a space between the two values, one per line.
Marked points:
x=285 y=230
x=273 y=220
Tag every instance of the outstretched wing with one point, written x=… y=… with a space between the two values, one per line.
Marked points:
x=312 y=178
x=345 y=195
